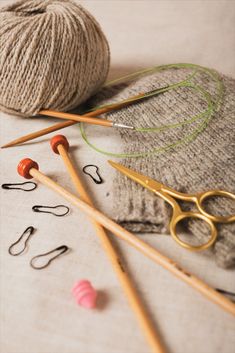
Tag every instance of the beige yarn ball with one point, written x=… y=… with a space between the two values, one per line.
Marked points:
x=53 y=55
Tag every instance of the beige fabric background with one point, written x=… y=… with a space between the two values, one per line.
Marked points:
x=38 y=313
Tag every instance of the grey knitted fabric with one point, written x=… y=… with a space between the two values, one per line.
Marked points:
x=205 y=163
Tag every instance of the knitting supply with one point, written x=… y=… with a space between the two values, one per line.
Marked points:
x=28 y=186
x=85 y=119
x=195 y=124
x=24 y=167
x=85 y=294
x=59 y=140
x=132 y=240
x=60 y=57
x=205 y=163
x=97 y=178
x=29 y=232
x=118 y=266
x=202 y=119
x=59 y=251
x=93 y=113
x=59 y=210
x=170 y=195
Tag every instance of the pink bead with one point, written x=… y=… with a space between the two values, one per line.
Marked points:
x=85 y=294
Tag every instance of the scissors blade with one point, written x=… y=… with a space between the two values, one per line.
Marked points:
x=142 y=179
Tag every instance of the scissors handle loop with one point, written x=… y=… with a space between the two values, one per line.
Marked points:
x=179 y=216
x=200 y=198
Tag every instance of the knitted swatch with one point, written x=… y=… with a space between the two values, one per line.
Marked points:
x=203 y=164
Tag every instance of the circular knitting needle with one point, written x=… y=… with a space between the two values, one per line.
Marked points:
x=60 y=145
x=67 y=123
x=29 y=169
x=85 y=119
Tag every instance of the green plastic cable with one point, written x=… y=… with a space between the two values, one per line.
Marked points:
x=205 y=116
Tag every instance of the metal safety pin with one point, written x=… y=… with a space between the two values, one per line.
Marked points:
x=29 y=230
x=39 y=208
x=99 y=180
x=62 y=249
x=12 y=186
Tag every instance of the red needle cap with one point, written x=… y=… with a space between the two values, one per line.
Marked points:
x=59 y=140
x=24 y=167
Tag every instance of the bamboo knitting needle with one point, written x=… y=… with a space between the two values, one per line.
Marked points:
x=29 y=169
x=65 y=124
x=85 y=119
x=60 y=145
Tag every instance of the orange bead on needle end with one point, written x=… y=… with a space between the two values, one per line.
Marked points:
x=24 y=167
x=59 y=140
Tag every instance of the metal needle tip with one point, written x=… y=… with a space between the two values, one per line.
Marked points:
x=119 y=125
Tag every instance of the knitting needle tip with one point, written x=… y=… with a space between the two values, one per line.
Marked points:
x=123 y=126
x=5 y=146
x=11 y=144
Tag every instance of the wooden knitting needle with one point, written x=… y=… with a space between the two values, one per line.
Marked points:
x=59 y=126
x=29 y=169
x=60 y=145
x=85 y=119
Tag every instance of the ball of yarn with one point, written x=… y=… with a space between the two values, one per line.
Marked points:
x=54 y=55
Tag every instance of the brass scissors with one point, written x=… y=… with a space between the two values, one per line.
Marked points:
x=170 y=195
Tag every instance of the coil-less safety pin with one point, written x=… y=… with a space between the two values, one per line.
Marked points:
x=39 y=208
x=12 y=186
x=62 y=249
x=99 y=180
x=29 y=230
